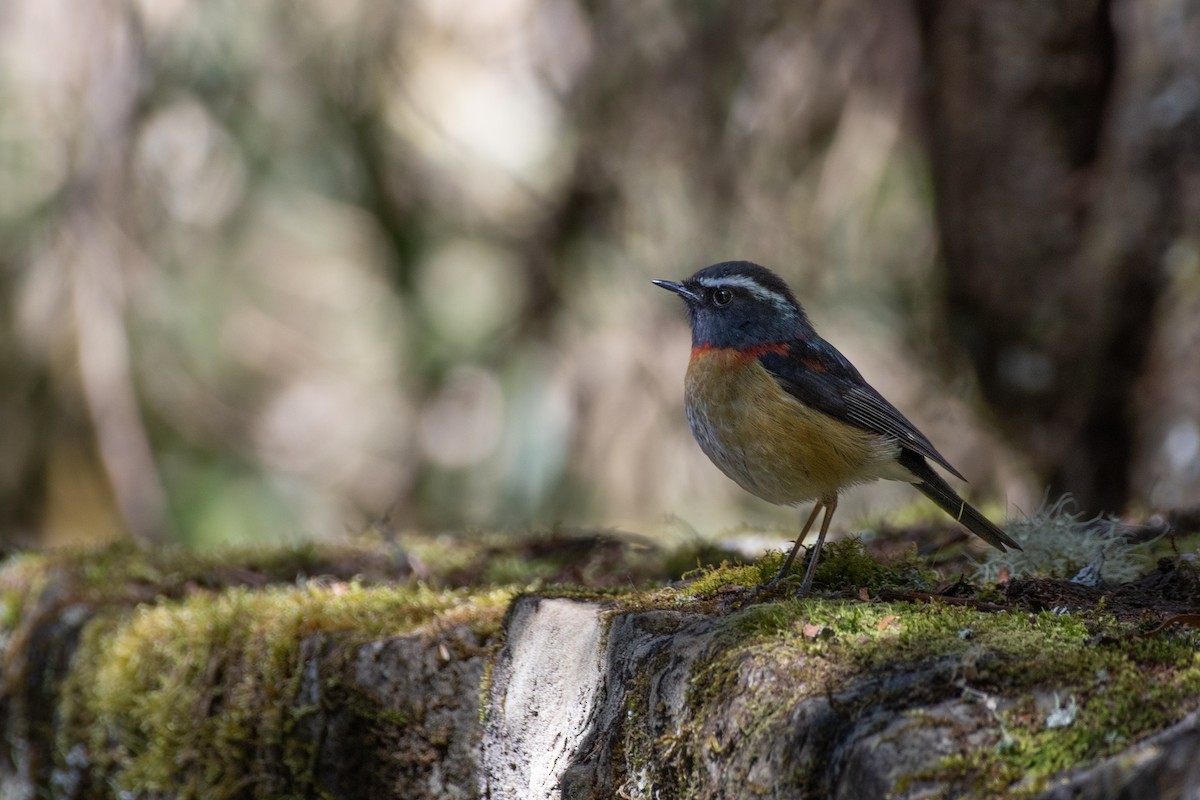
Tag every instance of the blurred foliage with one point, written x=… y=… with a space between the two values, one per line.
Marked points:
x=294 y=266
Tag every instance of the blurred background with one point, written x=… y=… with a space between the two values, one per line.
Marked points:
x=296 y=267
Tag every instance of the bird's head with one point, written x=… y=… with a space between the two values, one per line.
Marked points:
x=741 y=305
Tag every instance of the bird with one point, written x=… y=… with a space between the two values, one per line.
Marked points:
x=785 y=415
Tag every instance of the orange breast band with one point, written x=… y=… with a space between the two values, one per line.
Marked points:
x=736 y=354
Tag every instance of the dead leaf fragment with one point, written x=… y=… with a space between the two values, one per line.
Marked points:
x=814 y=631
x=890 y=622
x=1191 y=620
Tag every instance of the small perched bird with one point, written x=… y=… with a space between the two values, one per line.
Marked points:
x=787 y=416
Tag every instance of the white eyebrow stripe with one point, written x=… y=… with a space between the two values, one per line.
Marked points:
x=749 y=284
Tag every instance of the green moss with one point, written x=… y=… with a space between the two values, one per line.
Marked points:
x=704 y=581
x=511 y=568
x=1123 y=690
x=23 y=577
x=190 y=697
x=769 y=656
x=195 y=696
x=844 y=564
x=125 y=571
x=1121 y=694
x=555 y=555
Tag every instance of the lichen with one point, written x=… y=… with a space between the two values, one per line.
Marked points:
x=1058 y=542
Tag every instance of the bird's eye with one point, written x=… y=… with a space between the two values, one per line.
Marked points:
x=722 y=297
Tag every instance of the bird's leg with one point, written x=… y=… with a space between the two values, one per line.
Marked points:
x=830 y=505
x=787 y=562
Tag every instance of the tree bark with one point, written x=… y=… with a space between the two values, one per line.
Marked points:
x=1060 y=139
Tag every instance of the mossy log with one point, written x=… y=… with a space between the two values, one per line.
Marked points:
x=133 y=675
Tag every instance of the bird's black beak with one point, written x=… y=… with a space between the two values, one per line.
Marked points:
x=679 y=289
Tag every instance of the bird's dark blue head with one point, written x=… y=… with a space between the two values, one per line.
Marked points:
x=739 y=304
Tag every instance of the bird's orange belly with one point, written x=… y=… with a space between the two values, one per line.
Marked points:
x=771 y=444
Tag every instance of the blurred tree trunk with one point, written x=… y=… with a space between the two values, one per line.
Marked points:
x=82 y=440
x=1061 y=137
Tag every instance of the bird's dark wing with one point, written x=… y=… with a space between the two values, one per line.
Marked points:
x=815 y=373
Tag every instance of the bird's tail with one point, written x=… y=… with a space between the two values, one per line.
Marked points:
x=936 y=489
